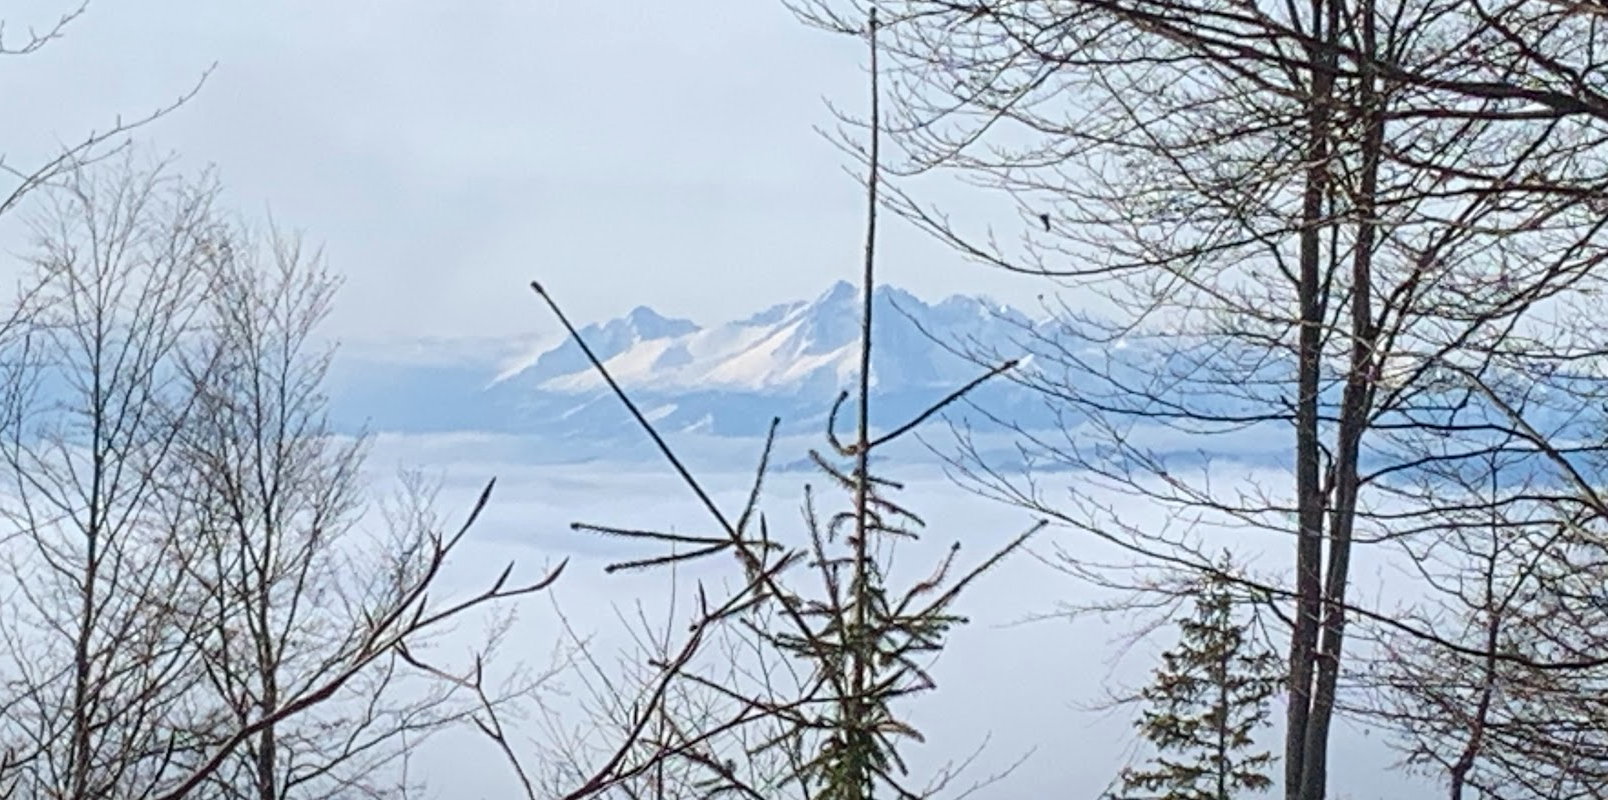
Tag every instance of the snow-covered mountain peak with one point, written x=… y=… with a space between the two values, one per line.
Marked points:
x=790 y=361
x=806 y=347
x=647 y=324
x=840 y=293
x=844 y=294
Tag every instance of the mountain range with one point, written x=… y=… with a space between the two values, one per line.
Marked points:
x=719 y=386
x=789 y=361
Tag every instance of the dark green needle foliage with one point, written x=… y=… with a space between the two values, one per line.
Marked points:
x=1203 y=707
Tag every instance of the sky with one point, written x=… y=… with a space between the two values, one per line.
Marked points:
x=446 y=154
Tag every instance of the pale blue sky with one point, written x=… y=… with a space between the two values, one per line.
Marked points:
x=625 y=153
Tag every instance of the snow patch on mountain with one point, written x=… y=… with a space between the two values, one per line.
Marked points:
x=793 y=346
x=786 y=362
x=607 y=340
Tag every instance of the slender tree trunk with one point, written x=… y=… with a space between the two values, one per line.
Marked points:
x=267 y=754
x=1362 y=368
x=1308 y=472
x=267 y=651
x=268 y=740
x=1220 y=675
x=1342 y=518
x=81 y=674
x=83 y=694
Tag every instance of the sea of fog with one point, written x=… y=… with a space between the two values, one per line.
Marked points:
x=1018 y=687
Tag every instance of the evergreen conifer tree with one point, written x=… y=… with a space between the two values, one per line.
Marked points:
x=1203 y=707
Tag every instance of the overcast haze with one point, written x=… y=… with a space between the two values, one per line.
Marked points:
x=625 y=153
x=639 y=153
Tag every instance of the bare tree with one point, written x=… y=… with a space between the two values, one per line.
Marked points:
x=1362 y=223
x=1516 y=578
x=97 y=655
x=189 y=609
x=274 y=495
x=567 y=742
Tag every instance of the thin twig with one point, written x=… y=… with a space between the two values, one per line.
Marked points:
x=631 y=406
x=948 y=400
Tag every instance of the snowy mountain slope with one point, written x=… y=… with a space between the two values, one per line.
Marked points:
x=798 y=346
x=608 y=340
x=729 y=379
